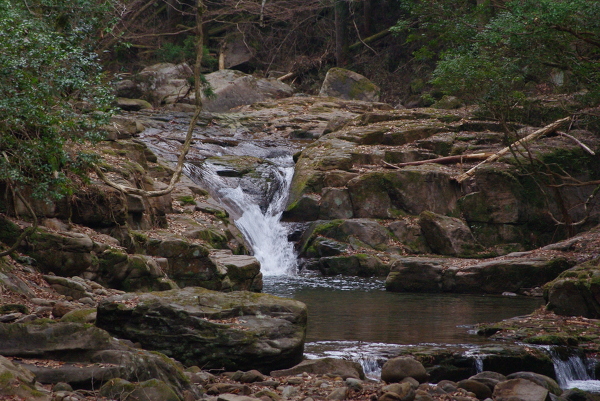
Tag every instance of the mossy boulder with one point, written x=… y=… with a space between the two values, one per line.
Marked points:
x=122 y=271
x=576 y=292
x=409 y=190
x=63 y=253
x=349 y=85
x=237 y=330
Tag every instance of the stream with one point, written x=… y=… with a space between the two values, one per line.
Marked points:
x=349 y=317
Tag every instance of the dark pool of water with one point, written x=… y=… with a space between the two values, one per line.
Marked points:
x=360 y=310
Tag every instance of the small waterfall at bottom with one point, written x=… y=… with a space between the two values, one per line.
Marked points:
x=573 y=370
x=260 y=226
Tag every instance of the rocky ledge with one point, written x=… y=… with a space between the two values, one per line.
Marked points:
x=237 y=330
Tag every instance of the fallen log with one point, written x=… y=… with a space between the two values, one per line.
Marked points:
x=443 y=160
x=370 y=39
x=531 y=137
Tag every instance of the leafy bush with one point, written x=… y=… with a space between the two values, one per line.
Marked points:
x=521 y=48
x=51 y=93
x=498 y=53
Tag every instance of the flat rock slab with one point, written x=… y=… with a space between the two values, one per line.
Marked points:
x=418 y=274
x=238 y=330
x=83 y=356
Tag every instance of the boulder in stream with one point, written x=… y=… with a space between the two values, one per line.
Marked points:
x=237 y=330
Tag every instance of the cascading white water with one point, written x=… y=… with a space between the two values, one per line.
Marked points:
x=573 y=372
x=262 y=229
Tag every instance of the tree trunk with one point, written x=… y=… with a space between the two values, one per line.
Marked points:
x=367 y=17
x=342 y=14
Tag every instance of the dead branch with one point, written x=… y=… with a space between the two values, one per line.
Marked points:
x=286 y=76
x=531 y=137
x=444 y=160
x=370 y=39
x=578 y=142
x=188 y=138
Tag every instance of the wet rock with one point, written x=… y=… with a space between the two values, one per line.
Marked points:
x=238 y=330
x=337 y=367
x=447 y=235
x=520 y=389
x=396 y=369
x=349 y=85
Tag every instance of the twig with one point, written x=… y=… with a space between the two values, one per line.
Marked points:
x=444 y=160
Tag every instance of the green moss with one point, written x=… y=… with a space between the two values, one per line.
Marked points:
x=187 y=200
x=12 y=308
x=6 y=378
x=552 y=339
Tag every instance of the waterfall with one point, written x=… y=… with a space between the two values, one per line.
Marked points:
x=261 y=227
x=574 y=371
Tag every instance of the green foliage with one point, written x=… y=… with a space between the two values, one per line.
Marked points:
x=51 y=92
x=185 y=53
x=520 y=48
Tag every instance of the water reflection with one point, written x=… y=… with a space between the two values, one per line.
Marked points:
x=356 y=309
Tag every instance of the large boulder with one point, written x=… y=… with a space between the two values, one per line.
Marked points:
x=84 y=355
x=447 y=235
x=162 y=83
x=234 y=88
x=238 y=330
x=399 y=368
x=349 y=85
x=576 y=292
